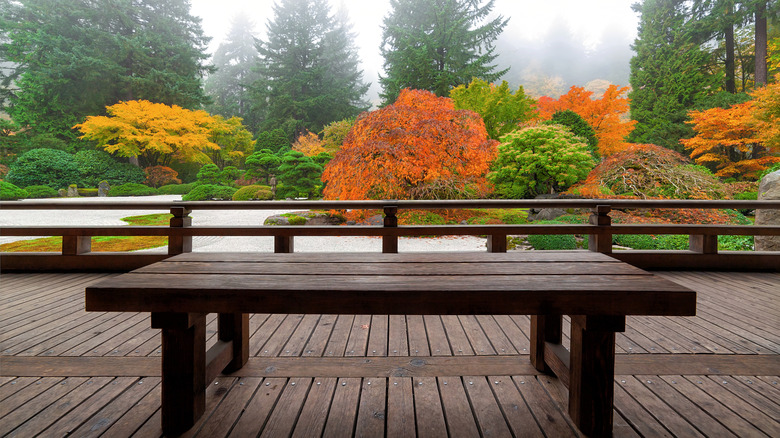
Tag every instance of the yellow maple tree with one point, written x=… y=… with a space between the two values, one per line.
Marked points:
x=155 y=133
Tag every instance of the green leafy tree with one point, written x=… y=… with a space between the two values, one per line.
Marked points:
x=72 y=58
x=211 y=174
x=502 y=110
x=668 y=74
x=45 y=167
x=299 y=176
x=579 y=127
x=308 y=69
x=436 y=46
x=262 y=164
x=277 y=141
x=539 y=160
x=229 y=86
x=234 y=141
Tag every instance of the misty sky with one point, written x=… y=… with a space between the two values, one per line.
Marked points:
x=530 y=24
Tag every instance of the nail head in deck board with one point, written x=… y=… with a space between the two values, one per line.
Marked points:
x=457 y=409
x=518 y=416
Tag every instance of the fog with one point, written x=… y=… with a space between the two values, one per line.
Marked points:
x=548 y=46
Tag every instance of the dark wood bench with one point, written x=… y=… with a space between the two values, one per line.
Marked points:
x=596 y=290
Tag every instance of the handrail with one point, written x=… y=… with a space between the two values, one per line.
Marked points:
x=401 y=204
x=703 y=252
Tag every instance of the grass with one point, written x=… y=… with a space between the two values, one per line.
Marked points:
x=101 y=243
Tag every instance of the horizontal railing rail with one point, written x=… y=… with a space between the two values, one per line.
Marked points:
x=702 y=254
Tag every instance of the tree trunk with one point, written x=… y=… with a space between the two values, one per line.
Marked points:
x=731 y=85
x=761 y=43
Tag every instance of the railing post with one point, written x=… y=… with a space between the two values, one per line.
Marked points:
x=180 y=244
x=390 y=243
x=284 y=244
x=75 y=245
x=601 y=242
x=703 y=243
x=496 y=243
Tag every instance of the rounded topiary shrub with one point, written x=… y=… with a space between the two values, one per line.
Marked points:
x=132 y=189
x=175 y=189
x=47 y=167
x=209 y=192
x=37 y=192
x=10 y=192
x=253 y=192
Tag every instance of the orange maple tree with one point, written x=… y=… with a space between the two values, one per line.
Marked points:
x=729 y=141
x=157 y=176
x=420 y=147
x=607 y=115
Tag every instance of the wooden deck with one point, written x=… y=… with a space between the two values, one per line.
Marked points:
x=66 y=371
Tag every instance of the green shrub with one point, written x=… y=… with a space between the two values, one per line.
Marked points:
x=736 y=243
x=208 y=192
x=47 y=167
x=252 y=193
x=297 y=220
x=514 y=219
x=10 y=192
x=635 y=241
x=96 y=166
x=132 y=189
x=176 y=189
x=677 y=242
x=552 y=241
x=88 y=192
x=421 y=218
x=37 y=192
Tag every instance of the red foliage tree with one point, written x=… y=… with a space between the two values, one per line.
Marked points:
x=606 y=115
x=420 y=147
x=157 y=176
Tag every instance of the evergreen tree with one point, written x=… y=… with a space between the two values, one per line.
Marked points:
x=308 y=68
x=668 y=74
x=72 y=58
x=439 y=45
x=229 y=86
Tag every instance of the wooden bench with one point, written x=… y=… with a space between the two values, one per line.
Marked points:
x=597 y=290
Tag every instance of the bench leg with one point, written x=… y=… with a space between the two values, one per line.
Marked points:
x=235 y=327
x=183 y=369
x=592 y=372
x=544 y=328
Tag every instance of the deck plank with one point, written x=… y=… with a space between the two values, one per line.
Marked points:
x=311 y=421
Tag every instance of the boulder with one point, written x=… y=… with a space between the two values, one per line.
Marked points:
x=545 y=214
x=769 y=189
x=103 y=189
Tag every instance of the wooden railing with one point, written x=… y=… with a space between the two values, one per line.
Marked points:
x=702 y=253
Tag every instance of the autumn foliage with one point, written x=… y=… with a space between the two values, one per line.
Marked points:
x=606 y=115
x=420 y=147
x=157 y=176
x=649 y=171
x=308 y=144
x=741 y=141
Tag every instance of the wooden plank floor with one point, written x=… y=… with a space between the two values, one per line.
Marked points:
x=64 y=371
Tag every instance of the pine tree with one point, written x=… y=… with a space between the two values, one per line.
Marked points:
x=75 y=57
x=308 y=69
x=439 y=45
x=668 y=74
x=229 y=85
